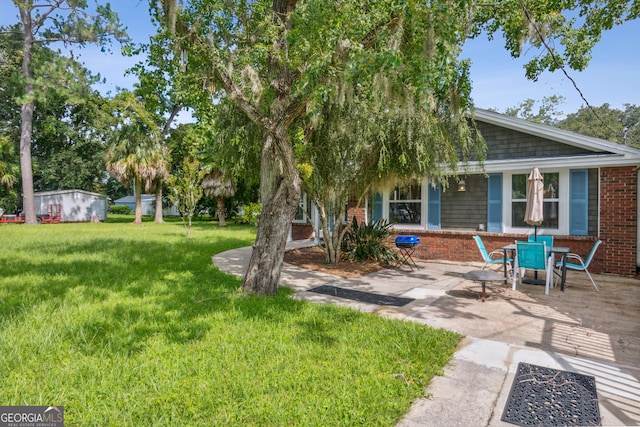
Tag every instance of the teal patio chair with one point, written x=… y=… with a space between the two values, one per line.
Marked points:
x=532 y=255
x=493 y=257
x=548 y=240
x=575 y=262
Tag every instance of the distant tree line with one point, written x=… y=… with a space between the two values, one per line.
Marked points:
x=605 y=122
x=75 y=128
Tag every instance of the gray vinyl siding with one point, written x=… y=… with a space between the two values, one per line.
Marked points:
x=467 y=209
x=503 y=144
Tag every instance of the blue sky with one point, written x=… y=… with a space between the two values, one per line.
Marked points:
x=498 y=80
x=611 y=77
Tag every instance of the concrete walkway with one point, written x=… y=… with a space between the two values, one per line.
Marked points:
x=578 y=330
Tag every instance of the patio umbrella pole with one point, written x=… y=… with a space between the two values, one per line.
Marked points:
x=535 y=239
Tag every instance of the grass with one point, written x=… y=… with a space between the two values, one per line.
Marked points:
x=131 y=325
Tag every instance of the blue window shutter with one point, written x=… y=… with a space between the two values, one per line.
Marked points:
x=433 y=219
x=579 y=202
x=376 y=207
x=494 y=203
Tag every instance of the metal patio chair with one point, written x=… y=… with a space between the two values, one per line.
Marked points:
x=548 y=240
x=493 y=257
x=575 y=262
x=532 y=255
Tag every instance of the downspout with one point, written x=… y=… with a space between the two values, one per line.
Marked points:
x=366 y=210
x=316 y=224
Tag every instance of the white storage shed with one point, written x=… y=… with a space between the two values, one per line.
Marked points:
x=76 y=205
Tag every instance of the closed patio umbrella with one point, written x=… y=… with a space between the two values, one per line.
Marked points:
x=534 y=213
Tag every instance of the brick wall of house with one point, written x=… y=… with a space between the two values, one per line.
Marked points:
x=619 y=219
x=359 y=213
x=459 y=246
x=302 y=231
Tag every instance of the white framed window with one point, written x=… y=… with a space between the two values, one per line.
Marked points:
x=556 y=199
x=519 y=185
x=302 y=215
x=406 y=204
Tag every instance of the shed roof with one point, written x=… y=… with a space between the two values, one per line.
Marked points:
x=58 y=192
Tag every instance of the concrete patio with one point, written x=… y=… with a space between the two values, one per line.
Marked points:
x=577 y=330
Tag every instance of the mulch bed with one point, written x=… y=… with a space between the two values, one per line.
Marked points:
x=313 y=258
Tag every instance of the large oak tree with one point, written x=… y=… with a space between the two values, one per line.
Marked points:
x=280 y=61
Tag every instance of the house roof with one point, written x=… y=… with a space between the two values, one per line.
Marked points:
x=605 y=153
x=132 y=199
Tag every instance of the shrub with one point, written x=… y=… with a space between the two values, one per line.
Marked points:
x=368 y=242
x=251 y=213
x=120 y=209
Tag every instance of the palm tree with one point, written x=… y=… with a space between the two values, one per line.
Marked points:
x=217 y=185
x=136 y=152
x=137 y=155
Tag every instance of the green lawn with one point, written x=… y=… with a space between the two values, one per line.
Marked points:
x=131 y=325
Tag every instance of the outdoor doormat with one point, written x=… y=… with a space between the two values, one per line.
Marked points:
x=367 y=297
x=548 y=397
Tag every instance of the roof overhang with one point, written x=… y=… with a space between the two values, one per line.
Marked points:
x=594 y=161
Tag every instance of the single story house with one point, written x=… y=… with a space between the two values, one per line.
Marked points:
x=76 y=205
x=591 y=193
x=148 y=205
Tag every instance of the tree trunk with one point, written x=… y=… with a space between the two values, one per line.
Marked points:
x=220 y=210
x=331 y=244
x=280 y=184
x=332 y=235
x=28 y=202
x=158 y=217
x=138 y=216
x=26 y=167
x=189 y=218
x=280 y=188
x=331 y=214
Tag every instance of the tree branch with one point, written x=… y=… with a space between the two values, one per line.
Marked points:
x=174 y=113
x=295 y=108
x=38 y=22
x=369 y=39
x=237 y=97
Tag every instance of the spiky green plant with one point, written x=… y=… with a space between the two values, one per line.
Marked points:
x=368 y=242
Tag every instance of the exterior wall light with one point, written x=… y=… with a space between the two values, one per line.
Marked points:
x=462 y=186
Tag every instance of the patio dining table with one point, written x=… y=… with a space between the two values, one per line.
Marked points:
x=563 y=251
